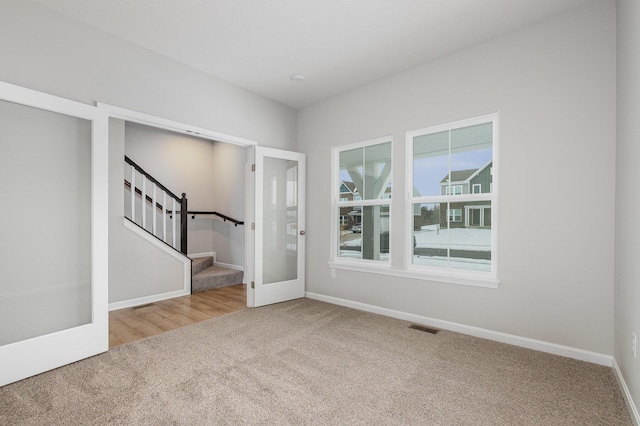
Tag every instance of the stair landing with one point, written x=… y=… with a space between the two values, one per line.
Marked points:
x=206 y=276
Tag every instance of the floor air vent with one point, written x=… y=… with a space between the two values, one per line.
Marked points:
x=424 y=328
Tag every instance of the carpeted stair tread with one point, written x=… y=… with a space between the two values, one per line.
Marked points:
x=215 y=277
x=200 y=264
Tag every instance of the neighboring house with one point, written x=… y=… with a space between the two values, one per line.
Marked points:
x=467 y=214
x=349 y=216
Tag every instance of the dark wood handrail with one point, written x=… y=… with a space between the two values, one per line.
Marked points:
x=151 y=178
x=236 y=222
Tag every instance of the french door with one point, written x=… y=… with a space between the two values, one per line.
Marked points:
x=278 y=226
x=53 y=261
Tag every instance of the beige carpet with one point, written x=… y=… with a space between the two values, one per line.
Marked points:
x=310 y=363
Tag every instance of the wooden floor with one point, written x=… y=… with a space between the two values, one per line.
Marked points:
x=127 y=325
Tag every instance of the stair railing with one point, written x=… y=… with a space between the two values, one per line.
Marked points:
x=224 y=217
x=157 y=189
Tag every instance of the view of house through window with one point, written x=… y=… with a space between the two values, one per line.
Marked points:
x=452 y=189
x=448 y=207
x=363 y=200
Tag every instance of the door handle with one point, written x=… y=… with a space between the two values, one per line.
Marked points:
x=302 y=232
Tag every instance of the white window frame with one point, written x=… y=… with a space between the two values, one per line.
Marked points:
x=453 y=190
x=452 y=217
x=336 y=204
x=451 y=275
x=478 y=186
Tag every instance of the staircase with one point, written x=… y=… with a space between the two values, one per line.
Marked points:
x=206 y=276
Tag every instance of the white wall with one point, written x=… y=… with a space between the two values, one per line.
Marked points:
x=137 y=268
x=228 y=191
x=627 y=267
x=46 y=51
x=554 y=85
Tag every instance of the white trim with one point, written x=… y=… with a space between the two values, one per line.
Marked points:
x=383 y=268
x=164 y=247
x=496 y=336
x=453 y=125
x=40 y=100
x=365 y=143
x=229 y=266
x=146 y=299
x=336 y=204
x=249 y=214
x=491 y=197
x=204 y=254
x=174 y=126
x=628 y=399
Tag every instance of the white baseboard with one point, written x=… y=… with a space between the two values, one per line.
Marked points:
x=147 y=299
x=186 y=272
x=229 y=266
x=206 y=254
x=525 y=342
x=633 y=409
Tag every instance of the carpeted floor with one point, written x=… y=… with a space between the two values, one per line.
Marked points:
x=306 y=362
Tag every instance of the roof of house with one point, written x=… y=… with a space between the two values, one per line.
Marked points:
x=459 y=175
x=464 y=175
x=350 y=186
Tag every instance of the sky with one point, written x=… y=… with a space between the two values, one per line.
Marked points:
x=429 y=171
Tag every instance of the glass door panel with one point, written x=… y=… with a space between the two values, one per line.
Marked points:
x=53 y=268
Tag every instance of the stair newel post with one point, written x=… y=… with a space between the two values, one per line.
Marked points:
x=183 y=224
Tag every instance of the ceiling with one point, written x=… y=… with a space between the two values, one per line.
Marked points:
x=337 y=45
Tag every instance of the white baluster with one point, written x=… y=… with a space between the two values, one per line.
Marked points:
x=144 y=201
x=173 y=223
x=164 y=216
x=133 y=194
x=153 y=207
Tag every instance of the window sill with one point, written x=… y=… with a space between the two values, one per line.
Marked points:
x=449 y=278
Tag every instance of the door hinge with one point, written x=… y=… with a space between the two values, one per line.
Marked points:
x=253 y=167
x=253 y=226
x=253 y=284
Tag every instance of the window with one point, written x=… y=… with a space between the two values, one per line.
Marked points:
x=449 y=205
x=364 y=235
x=449 y=215
x=452 y=189
x=455 y=215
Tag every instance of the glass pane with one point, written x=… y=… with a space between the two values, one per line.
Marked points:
x=430 y=235
x=453 y=235
x=364 y=232
x=430 y=164
x=45 y=267
x=453 y=162
x=351 y=184
x=471 y=155
x=365 y=173
x=377 y=169
x=280 y=210
x=470 y=239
